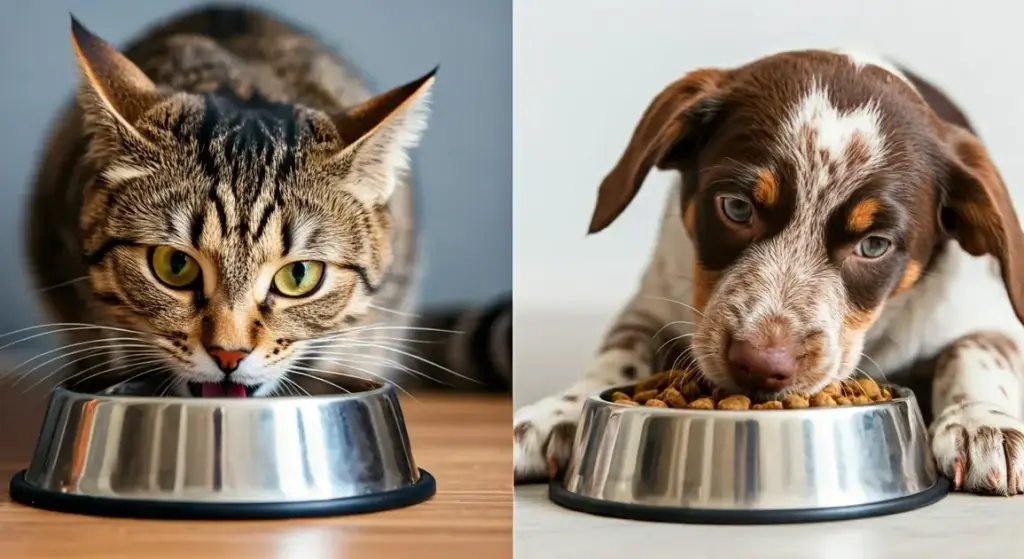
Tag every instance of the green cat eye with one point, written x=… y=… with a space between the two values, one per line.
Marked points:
x=299 y=279
x=174 y=268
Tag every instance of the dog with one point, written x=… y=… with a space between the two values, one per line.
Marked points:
x=835 y=215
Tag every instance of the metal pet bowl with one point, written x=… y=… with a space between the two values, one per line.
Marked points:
x=209 y=458
x=750 y=467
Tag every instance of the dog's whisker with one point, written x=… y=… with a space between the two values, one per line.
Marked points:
x=671 y=324
x=691 y=307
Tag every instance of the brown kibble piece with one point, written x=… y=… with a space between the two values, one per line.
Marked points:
x=769 y=405
x=843 y=401
x=822 y=400
x=692 y=390
x=833 y=389
x=736 y=402
x=673 y=398
x=795 y=402
x=851 y=388
x=719 y=393
x=617 y=396
x=655 y=403
x=869 y=387
x=886 y=395
x=647 y=384
x=642 y=397
x=704 y=403
x=861 y=399
x=627 y=403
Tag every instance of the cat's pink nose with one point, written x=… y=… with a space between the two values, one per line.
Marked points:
x=227 y=359
x=756 y=367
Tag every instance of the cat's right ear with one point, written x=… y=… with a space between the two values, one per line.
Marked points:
x=114 y=93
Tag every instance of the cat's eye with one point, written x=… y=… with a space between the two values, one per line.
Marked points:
x=299 y=279
x=737 y=210
x=873 y=247
x=174 y=268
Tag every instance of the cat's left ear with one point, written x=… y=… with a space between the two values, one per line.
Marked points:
x=114 y=93
x=378 y=135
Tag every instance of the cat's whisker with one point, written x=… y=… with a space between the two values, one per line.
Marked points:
x=84 y=325
x=360 y=369
x=299 y=391
x=119 y=368
x=50 y=333
x=62 y=284
x=138 y=376
x=407 y=354
x=375 y=327
x=91 y=345
x=393 y=311
x=101 y=351
x=372 y=359
x=291 y=370
x=126 y=363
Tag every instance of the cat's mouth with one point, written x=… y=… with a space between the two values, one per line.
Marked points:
x=224 y=389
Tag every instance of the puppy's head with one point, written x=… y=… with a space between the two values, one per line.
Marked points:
x=815 y=187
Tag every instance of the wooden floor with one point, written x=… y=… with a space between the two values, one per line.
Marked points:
x=463 y=441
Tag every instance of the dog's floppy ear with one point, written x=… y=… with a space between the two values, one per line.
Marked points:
x=978 y=212
x=674 y=114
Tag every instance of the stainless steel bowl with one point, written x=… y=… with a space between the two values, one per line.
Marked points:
x=142 y=456
x=750 y=467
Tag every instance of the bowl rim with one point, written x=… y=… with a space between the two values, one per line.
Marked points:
x=378 y=390
x=906 y=397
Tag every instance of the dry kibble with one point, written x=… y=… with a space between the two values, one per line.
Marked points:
x=822 y=400
x=683 y=389
x=704 y=403
x=736 y=402
x=642 y=397
x=869 y=388
x=673 y=398
x=795 y=402
x=692 y=390
x=833 y=389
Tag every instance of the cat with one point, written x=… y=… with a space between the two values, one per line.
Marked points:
x=240 y=211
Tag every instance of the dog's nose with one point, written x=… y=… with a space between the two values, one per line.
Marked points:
x=227 y=359
x=762 y=368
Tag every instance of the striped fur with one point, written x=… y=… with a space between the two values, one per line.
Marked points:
x=239 y=140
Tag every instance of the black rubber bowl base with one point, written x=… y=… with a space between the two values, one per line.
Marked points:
x=24 y=493
x=561 y=496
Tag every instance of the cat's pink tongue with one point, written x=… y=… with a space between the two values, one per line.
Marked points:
x=223 y=390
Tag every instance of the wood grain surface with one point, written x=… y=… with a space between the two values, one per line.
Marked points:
x=462 y=440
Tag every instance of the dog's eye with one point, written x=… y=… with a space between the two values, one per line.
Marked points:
x=873 y=247
x=737 y=209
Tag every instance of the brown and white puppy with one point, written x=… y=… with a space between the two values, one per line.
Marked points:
x=835 y=216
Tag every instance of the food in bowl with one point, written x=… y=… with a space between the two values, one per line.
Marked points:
x=685 y=389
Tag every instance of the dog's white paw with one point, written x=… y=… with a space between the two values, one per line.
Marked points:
x=544 y=432
x=980 y=448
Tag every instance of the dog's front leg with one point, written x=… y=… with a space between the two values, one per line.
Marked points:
x=977 y=434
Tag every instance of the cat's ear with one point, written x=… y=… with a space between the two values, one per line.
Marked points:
x=114 y=93
x=378 y=135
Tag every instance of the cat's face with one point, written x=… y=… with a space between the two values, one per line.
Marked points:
x=231 y=229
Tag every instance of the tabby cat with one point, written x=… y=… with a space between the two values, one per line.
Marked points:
x=240 y=211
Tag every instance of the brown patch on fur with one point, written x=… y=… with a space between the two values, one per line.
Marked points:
x=857 y=320
x=999 y=345
x=690 y=219
x=862 y=216
x=704 y=282
x=766 y=191
x=910 y=277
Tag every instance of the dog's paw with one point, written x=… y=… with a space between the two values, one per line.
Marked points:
x=980 y=448
x=543 y=437
x=544 y=432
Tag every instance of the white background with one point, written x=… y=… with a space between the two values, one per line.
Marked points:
x=585 y=71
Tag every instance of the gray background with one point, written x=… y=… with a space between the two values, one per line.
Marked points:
x=464 y=162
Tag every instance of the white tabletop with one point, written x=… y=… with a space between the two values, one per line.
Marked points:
x=959 y=526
